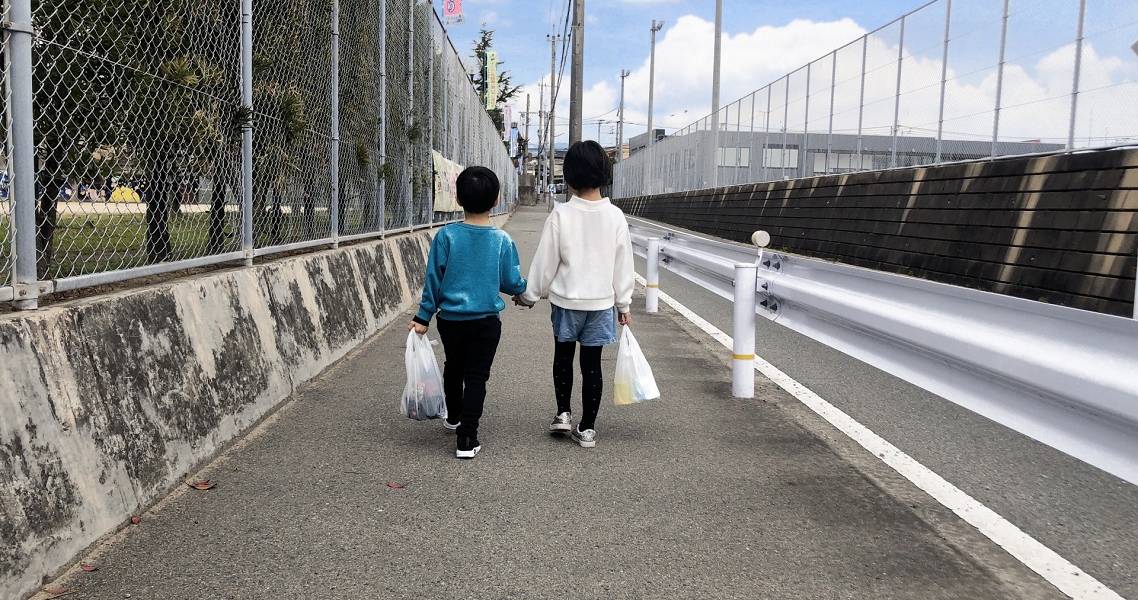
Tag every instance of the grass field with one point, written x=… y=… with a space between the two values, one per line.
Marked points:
x=93 y=242
x=99 y=237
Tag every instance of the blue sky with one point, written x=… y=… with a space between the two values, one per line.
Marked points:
x=765 y=39
x=618 y=29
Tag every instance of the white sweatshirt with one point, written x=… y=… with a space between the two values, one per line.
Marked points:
x=584 y=258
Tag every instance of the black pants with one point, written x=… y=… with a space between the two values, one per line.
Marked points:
x=470 y=347
x=592 y=384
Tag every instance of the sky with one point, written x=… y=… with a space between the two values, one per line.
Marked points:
x=764 y=40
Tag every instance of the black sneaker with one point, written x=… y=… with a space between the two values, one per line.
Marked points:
x=468 y=447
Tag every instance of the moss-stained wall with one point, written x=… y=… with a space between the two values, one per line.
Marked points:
x=106 y=403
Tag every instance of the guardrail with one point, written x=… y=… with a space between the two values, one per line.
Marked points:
x=1065 y=377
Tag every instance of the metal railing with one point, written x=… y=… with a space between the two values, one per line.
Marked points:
x=148 y=137
x=952 y=80
x=1062 y=376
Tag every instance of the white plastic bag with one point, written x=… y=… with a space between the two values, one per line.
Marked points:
x=634 y=381
x=423 y=396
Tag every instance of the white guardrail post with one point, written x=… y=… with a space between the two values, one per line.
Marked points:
x=652 y=277
x=743 y=357
x=1062 y=376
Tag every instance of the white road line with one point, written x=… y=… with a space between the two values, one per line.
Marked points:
x=1058 y=571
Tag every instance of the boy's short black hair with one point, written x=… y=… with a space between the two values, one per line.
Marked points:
x=477 y=189
x=587 y=166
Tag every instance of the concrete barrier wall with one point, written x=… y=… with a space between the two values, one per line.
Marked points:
x=1060 y=228
x=108 y=402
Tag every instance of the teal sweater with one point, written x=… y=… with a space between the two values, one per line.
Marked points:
x=468 y=266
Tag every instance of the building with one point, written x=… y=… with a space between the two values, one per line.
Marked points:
x=681 y=162
x=637 y=143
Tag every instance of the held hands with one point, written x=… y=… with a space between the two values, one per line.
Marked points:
x=519 y=301
x=625 y=318
x=417 y=328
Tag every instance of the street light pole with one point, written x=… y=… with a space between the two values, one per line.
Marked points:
x=620 y=119
x=714 y=154
x=656 y=26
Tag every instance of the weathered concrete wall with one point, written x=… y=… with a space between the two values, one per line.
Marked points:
x=1060 y=228
x=106 y=403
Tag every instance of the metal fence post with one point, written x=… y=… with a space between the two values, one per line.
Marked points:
x=23 y=160
x=785 y=127
x=1000 y=79
x=830 y=128
x=943 y=79
x=430 y=125
x=381 y=151
x=743 y=346
x=334 y=158
x=247 y=131
x=861 y=104
x=652 y=277
x=897 y=96
x=1078 y=67
x=407 y=165
x=804 y=151
x=767 y=135
x=751 y=141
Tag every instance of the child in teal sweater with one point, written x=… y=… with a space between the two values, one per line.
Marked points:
x=470 y=264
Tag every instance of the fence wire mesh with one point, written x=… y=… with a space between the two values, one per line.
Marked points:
x=953 y=80
x=136 y=130
x=138 y=122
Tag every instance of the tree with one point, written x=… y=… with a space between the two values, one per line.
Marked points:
x=506 y=90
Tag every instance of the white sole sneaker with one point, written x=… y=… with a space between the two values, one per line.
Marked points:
x=468 y=453
x=560 y=427
x=583 y=442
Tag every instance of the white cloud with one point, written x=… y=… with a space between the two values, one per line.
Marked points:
x=1036 y=96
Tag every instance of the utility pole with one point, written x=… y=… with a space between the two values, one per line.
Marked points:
x=714 y=154
x=551 y=131
x=656 y=26
x=577 y=76
x=525 y=151
x=599 y=122
x=620 y=119
x=537 y=173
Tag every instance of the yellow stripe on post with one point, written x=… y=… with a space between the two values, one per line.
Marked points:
x=652 y=285
x=743 y=356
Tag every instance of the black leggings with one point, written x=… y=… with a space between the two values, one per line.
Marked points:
x=592 y=380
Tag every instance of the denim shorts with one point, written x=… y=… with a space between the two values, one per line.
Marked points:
x=588 y=327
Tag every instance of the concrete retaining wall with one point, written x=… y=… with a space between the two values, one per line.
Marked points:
x=1060 y=228
x=106 y=403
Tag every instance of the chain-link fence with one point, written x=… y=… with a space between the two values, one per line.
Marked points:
x=168 y=134
x=953 y=80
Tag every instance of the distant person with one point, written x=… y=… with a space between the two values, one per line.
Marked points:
x=470 y=264
x=583 y=264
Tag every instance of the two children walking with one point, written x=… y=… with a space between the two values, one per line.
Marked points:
x=583 y=265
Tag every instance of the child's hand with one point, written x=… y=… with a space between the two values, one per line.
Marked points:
x=625 y=318
x=417 y=328
x=519 y=301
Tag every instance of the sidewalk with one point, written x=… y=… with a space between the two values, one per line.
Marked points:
x=694 y=496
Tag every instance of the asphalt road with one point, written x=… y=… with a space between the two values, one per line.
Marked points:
x=696 y=495
x=1086 y=515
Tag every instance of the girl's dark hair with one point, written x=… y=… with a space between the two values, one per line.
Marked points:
x=477 y=189
x=587 y=166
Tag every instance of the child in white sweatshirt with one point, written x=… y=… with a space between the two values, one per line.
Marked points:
x=584 y=266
